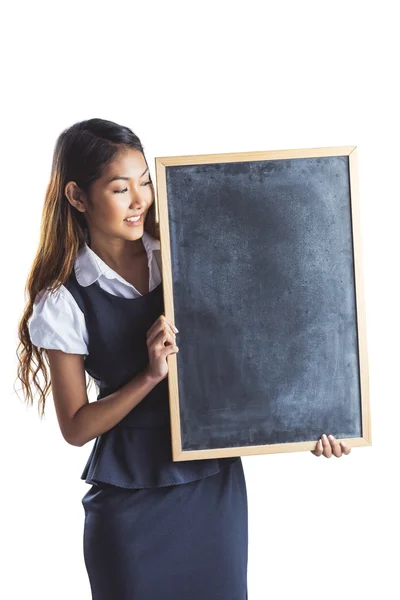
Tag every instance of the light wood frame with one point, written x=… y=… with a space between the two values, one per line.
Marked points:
x=161 y=163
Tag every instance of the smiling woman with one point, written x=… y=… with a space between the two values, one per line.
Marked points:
x=107 y=207
x=153 y=528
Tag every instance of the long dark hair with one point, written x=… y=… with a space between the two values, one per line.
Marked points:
x=81 y=152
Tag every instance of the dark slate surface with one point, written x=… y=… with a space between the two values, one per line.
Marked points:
x=264 y=297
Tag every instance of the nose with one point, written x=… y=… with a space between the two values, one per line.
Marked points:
x=137 y=203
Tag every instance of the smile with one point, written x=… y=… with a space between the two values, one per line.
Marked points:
x=131 y=221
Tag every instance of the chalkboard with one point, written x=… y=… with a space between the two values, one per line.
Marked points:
x=261 y=261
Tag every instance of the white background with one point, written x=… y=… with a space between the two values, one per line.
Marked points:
x=193 y=78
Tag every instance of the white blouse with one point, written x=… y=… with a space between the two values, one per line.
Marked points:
x=58 y=323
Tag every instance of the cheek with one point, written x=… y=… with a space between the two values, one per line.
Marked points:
x=114 y=209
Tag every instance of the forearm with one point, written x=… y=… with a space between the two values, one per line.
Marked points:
x=95 y=418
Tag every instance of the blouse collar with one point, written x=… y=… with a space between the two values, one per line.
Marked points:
x=89 y=266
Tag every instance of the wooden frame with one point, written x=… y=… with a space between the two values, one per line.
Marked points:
x=162 y=164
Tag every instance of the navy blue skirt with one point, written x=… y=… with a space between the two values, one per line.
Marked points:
x=178 y=542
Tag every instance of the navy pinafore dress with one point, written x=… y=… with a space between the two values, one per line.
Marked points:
x=154 y=529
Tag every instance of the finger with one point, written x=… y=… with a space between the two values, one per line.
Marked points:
x=170 y=350
x=174 y=329
x=160 y=325
x=318 y=449
x=157 y=325
x=160 y=339
x=336 y=449
x=327 y=450
x=345 y=448
x=169 y=324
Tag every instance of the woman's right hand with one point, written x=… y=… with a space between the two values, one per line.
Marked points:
x=160 y=333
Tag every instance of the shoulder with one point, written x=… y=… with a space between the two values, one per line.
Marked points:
x=55 y=301
x=57 y=322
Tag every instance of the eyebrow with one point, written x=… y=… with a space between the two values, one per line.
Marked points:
x=125 y=178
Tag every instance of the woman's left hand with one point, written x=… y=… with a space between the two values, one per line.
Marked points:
x=328 y=446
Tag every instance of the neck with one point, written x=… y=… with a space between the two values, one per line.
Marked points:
x=118 y=254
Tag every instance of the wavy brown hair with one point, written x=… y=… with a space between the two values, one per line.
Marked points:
x=81 y=153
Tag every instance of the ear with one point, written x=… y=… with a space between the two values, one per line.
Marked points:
x=75 y=196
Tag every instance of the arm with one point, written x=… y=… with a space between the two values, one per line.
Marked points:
x=80 y=420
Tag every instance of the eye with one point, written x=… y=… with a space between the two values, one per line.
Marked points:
x=126 y=189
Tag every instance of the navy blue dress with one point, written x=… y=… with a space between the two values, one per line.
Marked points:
x=154 y=529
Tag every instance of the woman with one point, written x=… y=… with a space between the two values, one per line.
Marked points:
x=153 y=528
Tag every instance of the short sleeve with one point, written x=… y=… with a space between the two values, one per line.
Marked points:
x=58 y=323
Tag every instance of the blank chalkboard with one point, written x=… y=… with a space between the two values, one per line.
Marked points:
x=261 y=261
